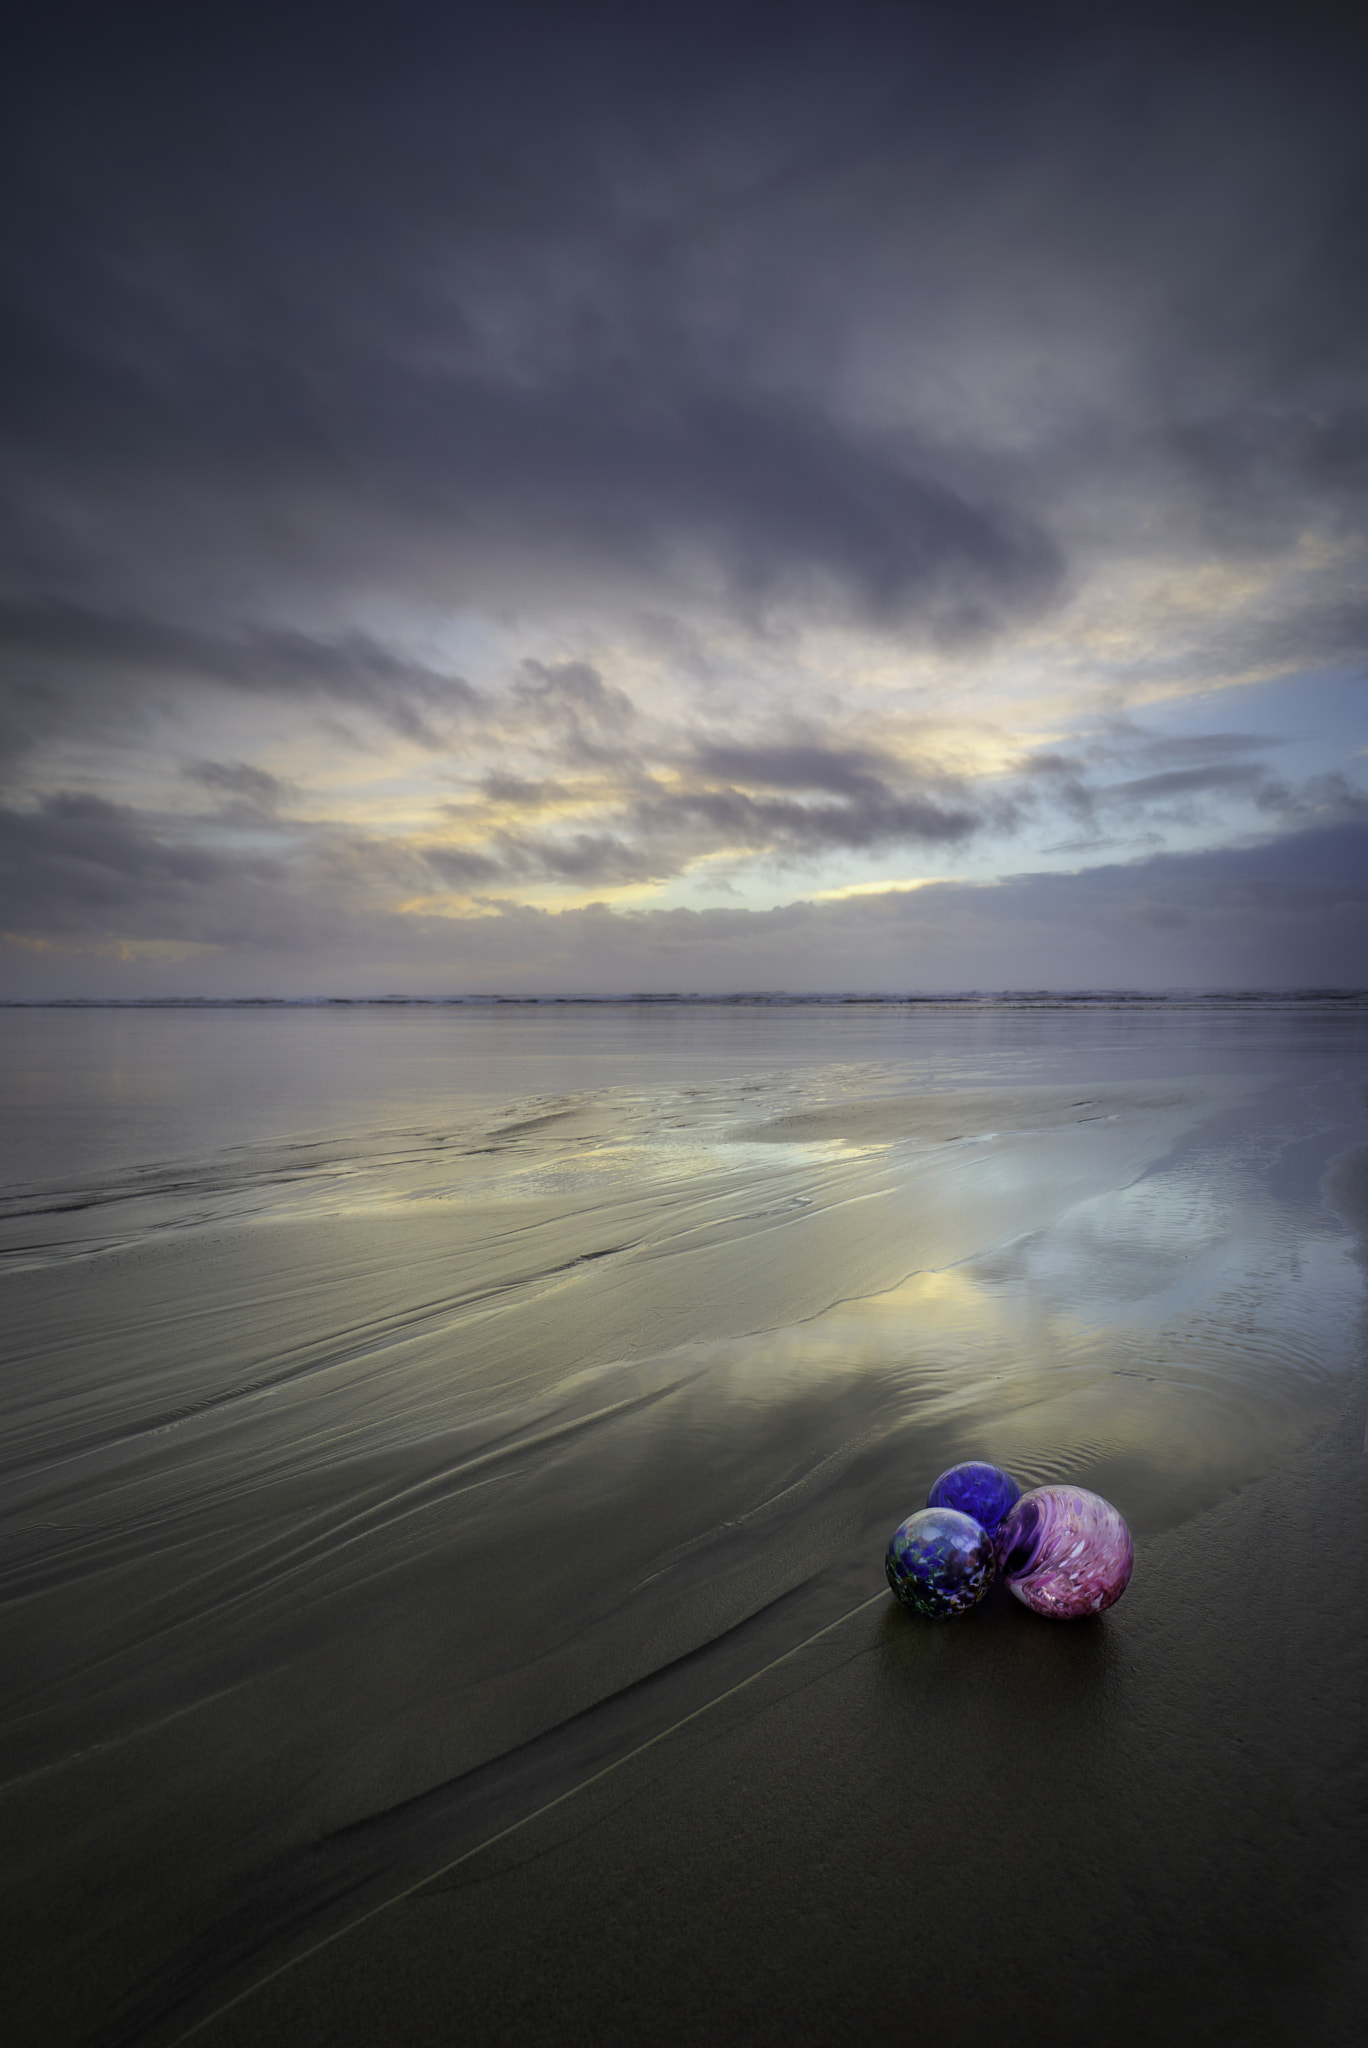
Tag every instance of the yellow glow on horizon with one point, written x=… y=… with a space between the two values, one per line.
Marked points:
x=542 y=896
x=895 y=885
x=551 y=897
x=449 y=903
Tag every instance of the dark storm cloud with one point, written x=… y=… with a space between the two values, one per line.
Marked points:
x=81 y=865
x=627 y=471
x=52 y=649
x=584 y=283
x=399 y=309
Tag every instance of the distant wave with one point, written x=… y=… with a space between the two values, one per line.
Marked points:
x=1034 y=999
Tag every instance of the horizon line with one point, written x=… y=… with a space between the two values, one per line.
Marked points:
x=801 y=997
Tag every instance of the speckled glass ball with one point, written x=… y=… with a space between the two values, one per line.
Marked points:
x=940 y=1562
x=1065 y=1552
x=984 y=1491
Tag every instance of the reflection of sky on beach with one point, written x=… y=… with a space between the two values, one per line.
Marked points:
x=1177 y=1242
x=1169 y=1333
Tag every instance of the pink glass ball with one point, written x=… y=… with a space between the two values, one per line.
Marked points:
x=1065 y=1552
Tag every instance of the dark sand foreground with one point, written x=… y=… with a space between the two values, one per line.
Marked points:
x=1146 y=1828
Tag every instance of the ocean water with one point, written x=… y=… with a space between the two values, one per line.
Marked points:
x=408 y=1409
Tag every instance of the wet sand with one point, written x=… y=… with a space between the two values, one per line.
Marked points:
x=1148 y=1828
x=519 y=1475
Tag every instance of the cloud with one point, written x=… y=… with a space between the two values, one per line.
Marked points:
x=1328 y=798
x=1292 y=912
x=586 y=857
x=1227 y=778
x=844 y=771
x=249 y=791
x=78 y=864
x=654 y=802
x=70 y=649
x=710 y=436
x=1205 y=746
x=667 y=799
x=464 y=867
x=727 y=816
x=568 y=704
x=1318 y=632
x=658 y=803
x=663 y=337
x=516 y=792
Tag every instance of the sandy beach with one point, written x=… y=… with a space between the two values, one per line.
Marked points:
x=443 y=1590
x=1149 y=1828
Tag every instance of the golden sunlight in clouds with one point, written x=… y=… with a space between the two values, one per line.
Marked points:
x=885 y=886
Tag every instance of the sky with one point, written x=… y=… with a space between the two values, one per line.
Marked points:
x=589 y=499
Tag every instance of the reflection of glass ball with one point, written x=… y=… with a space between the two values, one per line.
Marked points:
x=984 y=1491
x=1065 y=1552
x=940 y=1562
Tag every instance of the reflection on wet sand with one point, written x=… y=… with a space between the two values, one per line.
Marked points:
x=345 y=1496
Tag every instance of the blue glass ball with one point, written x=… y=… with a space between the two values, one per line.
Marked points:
x=940 y=1562
x=984 y=1491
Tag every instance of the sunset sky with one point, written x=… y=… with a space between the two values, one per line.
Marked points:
x=580 y=498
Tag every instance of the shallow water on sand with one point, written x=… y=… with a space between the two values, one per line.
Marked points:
x=387 y=1391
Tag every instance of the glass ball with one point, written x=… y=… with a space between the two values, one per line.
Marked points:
x=940 y=1562
x=1065 y=1552
x=984 y=1491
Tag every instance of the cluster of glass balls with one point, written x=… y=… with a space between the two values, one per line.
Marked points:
x=1061 y=1550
